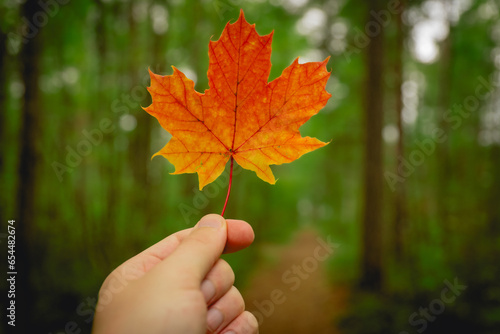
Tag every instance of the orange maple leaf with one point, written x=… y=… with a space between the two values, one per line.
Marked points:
x=240 y=116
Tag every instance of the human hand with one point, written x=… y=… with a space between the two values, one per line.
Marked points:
x=179 y=285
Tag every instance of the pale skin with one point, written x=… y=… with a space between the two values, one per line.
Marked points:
x=179 y=285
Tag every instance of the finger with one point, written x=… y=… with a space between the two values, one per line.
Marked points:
x=225 y=310
x=200 y=249
x=239 y=235
x=218 y=281
x=245 y=323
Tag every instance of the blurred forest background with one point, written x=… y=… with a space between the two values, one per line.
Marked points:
x=408 y=191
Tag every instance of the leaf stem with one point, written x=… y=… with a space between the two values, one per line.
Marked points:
x=229 y=187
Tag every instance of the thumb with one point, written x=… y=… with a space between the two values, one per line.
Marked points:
x=198 y=252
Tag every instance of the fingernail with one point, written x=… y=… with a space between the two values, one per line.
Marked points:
x=230 y=332
x=210 y=221
x=208 y=289
x=214 y=319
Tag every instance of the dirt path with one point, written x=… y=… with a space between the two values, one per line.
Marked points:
x=290 y=293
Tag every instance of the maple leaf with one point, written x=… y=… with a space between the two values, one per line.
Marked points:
x=241 y=116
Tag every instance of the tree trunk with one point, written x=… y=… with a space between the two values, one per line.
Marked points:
x=444 y=166
x=3 y=120
x=493 y=208
x=28 y=164
x=110 y=171
x=140 y=137
x=400 y=199
x=371 y=271
x=3 y=76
